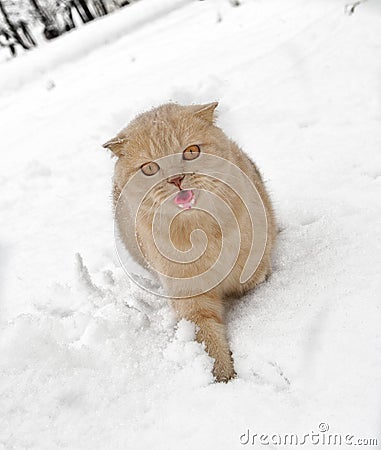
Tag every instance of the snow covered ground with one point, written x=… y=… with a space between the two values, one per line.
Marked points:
x=88 y=360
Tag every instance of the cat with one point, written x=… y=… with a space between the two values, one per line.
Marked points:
x=181 y=136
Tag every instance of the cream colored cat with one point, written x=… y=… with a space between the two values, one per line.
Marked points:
x=194 y=174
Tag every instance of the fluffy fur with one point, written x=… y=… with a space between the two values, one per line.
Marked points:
x=169 y=129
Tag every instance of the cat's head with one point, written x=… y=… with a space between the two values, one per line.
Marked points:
x=170 y=133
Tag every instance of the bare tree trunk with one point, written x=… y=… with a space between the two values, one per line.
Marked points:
x=9 y=43
x=69 y=20
x=79 y=11
x=41 y=13
x=12 y=27
x=27 y=33
x=83 y=10
x=51 y=28
x=101 y=8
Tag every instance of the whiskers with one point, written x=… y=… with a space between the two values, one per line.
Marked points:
x=155 y=198
x=214 y=186
x=152 y=202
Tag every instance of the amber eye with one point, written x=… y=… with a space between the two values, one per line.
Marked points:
x=150 y=168
x=191 y=152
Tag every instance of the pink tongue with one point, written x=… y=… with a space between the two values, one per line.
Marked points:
x=184 y=198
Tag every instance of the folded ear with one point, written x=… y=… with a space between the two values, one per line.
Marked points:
x=205 y=112
x=115 y=145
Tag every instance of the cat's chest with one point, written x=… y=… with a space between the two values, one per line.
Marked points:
x=199 y=230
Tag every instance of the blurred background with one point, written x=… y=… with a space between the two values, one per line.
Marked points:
x=24 y=23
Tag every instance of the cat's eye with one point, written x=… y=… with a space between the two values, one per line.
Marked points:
x=191 y=152
x=150 y=168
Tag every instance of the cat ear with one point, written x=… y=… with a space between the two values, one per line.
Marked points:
x=205 y=112
x=115 y=145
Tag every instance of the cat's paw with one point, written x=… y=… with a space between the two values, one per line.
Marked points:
x=224 y=372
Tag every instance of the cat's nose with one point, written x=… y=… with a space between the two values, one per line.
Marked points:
x=176 y=181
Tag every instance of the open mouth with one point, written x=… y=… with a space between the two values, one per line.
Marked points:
x=185 y=199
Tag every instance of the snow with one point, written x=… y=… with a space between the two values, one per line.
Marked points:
x=89 y=359
x=82 y=41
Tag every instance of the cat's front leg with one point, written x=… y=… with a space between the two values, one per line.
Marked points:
x=206 y=311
